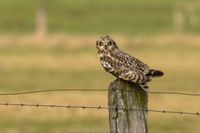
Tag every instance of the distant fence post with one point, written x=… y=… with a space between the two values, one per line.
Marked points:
x=41 y=20
x=122 y=97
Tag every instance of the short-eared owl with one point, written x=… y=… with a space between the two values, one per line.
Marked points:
x=122 y=65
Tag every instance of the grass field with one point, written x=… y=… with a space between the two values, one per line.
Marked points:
x=33 y=67
x=67 y=58
x=89 y=17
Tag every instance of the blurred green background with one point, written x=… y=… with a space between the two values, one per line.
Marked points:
x=51 y=45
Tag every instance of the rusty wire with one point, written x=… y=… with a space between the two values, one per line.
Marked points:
x=69 y=106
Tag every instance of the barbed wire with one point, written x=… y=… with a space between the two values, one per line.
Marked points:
x=69 y=106
x=91 y=90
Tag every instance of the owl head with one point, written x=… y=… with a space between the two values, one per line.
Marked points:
x=106 y=44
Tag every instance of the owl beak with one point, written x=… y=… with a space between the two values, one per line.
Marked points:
x=106 y=47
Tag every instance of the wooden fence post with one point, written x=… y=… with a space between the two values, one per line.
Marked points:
x=41 y=20
x=122 y=97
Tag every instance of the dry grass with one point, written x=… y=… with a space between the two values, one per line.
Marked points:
x=76 y=41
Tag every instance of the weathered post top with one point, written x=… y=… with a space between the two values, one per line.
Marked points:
x=128 y=107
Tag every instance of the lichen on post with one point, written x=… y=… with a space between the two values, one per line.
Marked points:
x=128 y=107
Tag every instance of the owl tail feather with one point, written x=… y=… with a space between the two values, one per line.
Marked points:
x=155 y=73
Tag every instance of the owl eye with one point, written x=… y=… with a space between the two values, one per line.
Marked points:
x=100 y=44
x=109 y=43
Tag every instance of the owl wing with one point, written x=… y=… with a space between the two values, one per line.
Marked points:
x=131 y=68
x=110 y=65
